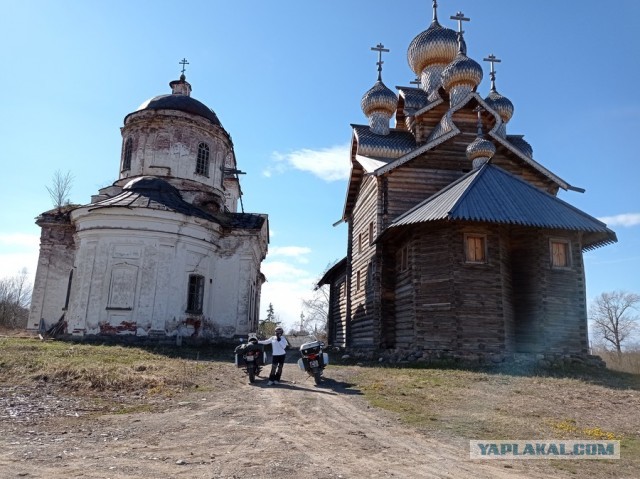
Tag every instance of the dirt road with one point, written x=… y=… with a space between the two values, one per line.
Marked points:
x=233 y=430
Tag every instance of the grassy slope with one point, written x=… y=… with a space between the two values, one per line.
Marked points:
x=451 y=403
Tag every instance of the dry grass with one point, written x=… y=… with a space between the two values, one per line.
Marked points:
x=628 y=362
x=484 y=404
x=94 y=368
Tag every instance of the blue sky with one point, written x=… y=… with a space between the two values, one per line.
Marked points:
x=285 y=78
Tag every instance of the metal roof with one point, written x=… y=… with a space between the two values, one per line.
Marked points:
x=181 y=103
x=158 y=194
x=490 y=194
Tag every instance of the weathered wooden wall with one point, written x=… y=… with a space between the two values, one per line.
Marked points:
x=364 y=324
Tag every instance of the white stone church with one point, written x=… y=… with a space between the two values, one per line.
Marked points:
x=163 y=251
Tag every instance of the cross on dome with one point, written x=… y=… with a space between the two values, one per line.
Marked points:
x=479 y=111
x=492 y=59
x=184 y=63
x=460 y=18
x=435 y=10
x=379 y=48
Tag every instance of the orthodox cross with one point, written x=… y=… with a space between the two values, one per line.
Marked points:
x=184 y=63
x=479 y=111
x=492 y=59
x=462 y=46
x=379 y=48
x=416 y=81
x=435 y=10
x=460 y=18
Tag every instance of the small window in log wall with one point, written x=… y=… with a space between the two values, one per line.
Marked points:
x=475 y=248
x=371 y=233
x=360 y=243
x=404 y=258
x=358 y=281
x=560 y=253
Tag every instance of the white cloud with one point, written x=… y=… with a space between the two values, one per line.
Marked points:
x=20 y=240
x=286 y=287
x=18 y=251
x=628 y=219
x=12 y=263
x=299 y=253
x=329 y=164
x=281 y=269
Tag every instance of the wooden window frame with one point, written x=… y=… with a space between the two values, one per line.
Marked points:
x=202 y=161
x=553 y=242
x=403 y=258
x=473 y=258
x=195 y=294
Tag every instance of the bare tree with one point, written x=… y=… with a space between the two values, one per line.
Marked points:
x=614 y=317
x=316 y=311
x=15 y=297
x=60 y=188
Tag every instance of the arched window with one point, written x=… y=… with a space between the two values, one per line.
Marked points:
x=202 y=164
x=128 y=151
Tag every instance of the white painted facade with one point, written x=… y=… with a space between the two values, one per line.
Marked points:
x=163 y=251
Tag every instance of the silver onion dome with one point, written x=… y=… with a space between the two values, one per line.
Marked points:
x=379 y=105
x=521 y=144
x=462 y=71
x=436 y=45
x=501 y=105
x=480 y=148
x=379 y=98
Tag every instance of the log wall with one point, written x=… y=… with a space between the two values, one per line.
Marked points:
x=364 y=324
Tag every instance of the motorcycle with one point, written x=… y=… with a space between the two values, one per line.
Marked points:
x=250 y=356
x=313 y=359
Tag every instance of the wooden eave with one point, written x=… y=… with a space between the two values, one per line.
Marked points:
x=355 y=180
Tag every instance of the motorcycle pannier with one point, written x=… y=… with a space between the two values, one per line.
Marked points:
x=311 y=348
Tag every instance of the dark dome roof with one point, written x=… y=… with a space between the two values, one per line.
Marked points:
x=150 y=183
x=181 y=103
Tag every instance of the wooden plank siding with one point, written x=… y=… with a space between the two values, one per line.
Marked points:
x=337 y=314
x=364 y=322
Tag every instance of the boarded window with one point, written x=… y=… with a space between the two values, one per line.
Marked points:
x=560 y=257
x=202 y=164
x=476 y=248
x=195 y=298
x=122 y=287
x=128 y=152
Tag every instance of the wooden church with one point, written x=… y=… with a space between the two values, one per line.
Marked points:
x=457 y=243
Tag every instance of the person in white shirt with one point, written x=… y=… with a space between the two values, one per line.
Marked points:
x=278 y=344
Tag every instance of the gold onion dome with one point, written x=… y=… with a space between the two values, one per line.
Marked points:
x=480 y=148
x=379 y=99
x=436 y=45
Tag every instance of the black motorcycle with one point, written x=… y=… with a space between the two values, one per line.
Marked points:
x=313 y=359
x=250 y=356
